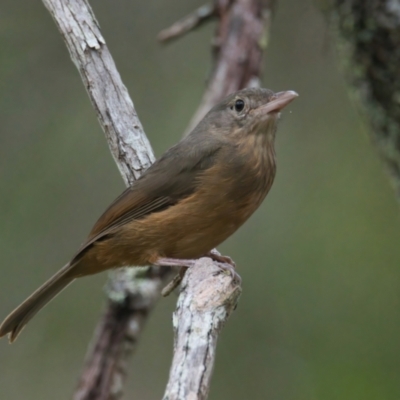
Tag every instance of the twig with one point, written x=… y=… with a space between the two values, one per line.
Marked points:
x=188 y=23
x=207 y=298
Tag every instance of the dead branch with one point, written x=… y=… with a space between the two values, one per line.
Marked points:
x=207 y=298
x=188 y=23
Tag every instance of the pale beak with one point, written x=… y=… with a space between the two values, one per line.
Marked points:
x=278 y=101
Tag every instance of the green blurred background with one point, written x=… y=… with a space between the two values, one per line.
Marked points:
x=319 y=317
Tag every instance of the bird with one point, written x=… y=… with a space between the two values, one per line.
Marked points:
x=196 y=195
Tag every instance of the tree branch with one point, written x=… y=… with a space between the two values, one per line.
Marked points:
x=369 y=39
x=117 y=116
x=132 y=293
x=207 y=298
x=241 y=35
x=188 y=23
x=205 y=302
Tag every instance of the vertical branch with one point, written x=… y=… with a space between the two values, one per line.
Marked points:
x=241 y=36
x=205 y=301
x=207 y=298
x=132 y=293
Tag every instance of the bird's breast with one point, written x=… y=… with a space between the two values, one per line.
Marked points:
x=226 y=195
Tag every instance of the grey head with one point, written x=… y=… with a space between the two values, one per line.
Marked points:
x=248 y=111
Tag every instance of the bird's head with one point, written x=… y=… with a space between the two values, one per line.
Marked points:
x=249 y=111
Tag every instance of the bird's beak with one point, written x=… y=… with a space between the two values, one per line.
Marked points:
x=278 y=101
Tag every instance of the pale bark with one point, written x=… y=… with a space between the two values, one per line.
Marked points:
x=208 y=296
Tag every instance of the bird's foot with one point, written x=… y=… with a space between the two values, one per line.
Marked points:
x=174 y=262
x=214 y=255
x=225 y=263
x=229 y=269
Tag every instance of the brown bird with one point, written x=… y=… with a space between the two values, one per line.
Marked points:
x=188 y=202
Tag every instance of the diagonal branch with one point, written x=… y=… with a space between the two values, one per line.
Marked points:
x=117 y=116
x=188 y=23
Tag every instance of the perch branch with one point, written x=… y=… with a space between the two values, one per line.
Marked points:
x=207 y=298
x=205 y=301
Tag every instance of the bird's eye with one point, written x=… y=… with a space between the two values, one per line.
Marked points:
x=239 y=105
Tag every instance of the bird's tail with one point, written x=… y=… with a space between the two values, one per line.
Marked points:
x=16 y=321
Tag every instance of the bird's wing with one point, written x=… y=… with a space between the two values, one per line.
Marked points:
x=170 y=179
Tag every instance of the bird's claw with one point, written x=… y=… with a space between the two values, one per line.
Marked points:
x=221 y=259
x=229 y=269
